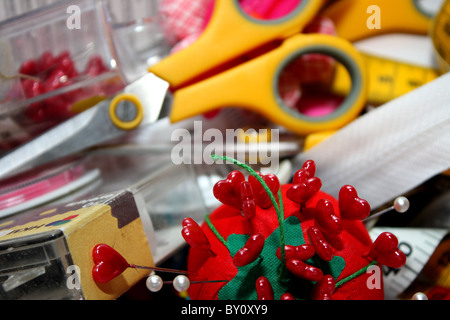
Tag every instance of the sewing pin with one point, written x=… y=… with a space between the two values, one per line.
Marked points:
x=401 y=205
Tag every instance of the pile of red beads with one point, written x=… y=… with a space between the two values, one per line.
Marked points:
x=48 y=73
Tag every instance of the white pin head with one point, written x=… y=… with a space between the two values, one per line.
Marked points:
x=401 y=204
x=419 y=296
x=154 y=283
x=181 y=283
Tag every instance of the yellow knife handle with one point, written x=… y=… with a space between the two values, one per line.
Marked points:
x=230 y=34
x=254 y=86
x=353 y=18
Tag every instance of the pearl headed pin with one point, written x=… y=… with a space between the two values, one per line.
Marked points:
x=401 y=205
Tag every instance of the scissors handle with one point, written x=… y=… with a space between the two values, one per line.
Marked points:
x=254 y=86
x=229 y=34
x=352 y=17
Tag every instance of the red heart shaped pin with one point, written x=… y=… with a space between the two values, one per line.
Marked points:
x=310 y=167
x=303 y=252
x=326 y=219
x=323 y=248
x=324 y=288
x=302 y=192
x=250 y=251
x=228 y=191
x=108 y=263
x=351 y=206
x=193 y=234
x=248 y=200
x=307 y=171
x=385 y=251
x=261 y=196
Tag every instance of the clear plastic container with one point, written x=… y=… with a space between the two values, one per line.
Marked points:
x=59 y=59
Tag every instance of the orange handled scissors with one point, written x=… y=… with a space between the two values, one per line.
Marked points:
x=230 y=34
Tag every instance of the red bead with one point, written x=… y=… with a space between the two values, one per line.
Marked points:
x=385 y=251
x=228 y=191
x=108 y=263
x=303 y=270
x=45 y=62
x=326 y=219
x=248 y=200
x=323 y=248
x=250 y=251
x=351 y=206
x=95 y=66
x=323 y=289
x=194 y=235
x=264 y=289
x=261 y=196
x=29 y=67
x=302 y=192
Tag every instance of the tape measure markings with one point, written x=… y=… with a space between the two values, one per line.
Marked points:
x=387 y=79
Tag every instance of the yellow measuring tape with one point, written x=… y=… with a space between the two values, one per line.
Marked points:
x=389 y=79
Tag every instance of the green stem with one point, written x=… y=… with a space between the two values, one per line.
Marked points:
x=356 y=274
x=279 y=211
x=214 y=230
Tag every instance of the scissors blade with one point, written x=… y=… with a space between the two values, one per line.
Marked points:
x=91 y=127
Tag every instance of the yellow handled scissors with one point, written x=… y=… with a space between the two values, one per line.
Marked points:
x=253 y=85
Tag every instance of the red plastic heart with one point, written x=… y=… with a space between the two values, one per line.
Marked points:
x=310 y=167
x=323 y=248
x=323 y=289
x=248 y=200
x=385 y=251
x=261 y=196
x=307 y=171
x=250 y=251
x=228 y=191
x=302 y=192
x=193 y=234
x=326 y=219
x=351 y=206
x=108 y=263
x=303 y=252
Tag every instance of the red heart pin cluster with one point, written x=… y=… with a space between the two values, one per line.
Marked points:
x=385 y=251
x=244 y=195
x=328 y=235
x=108 y=263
